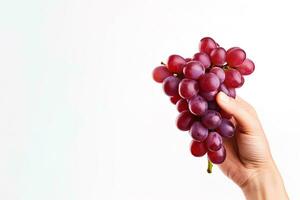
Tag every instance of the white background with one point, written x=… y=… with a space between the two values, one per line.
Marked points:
x=81 y=118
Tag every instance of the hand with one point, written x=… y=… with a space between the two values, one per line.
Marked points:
x=249 y=162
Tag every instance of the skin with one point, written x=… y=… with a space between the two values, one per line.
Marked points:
x=249 y=162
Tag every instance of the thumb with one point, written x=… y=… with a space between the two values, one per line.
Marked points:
x=240 y=110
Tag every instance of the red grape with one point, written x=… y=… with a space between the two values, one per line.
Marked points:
x=198 y=149
x=209 y=82
x=193 y=70
x=225 y=114
x=212 y=105
x=209 y=96
x=174 y=99
x=232 y=48
x=224 y=89
x=203 y=58
x=198 y=131
x=193 y=83
x=170 y=85
x=231 y=92
x=176 y=63
x=226 y=128
x=235 y=56
x=247 y=67
x=206 y=45
x=242 y=81
x=182 y=105
x=228 y=91
x=217 y=157
x=197 y=105
x=184 y=121
x=211 y=119
x=233 y=78
x=218 y=56
x=219 y=72
x=188 y=88
x=214 y=141
x=160 y=73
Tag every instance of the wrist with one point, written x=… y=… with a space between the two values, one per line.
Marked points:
x=265 y=184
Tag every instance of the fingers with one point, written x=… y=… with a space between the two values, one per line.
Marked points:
x=232 y=162
x=246 y=105
x=243 y=112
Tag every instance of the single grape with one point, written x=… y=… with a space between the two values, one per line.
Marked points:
x=198 y=149
x=232 y=92
x=233 y=78
x=209 y=82
x=203 y=58
x=209 y=96
x=225 y=114
x=219 y=72
x=211 y=119
x=176 y=63
x=206 y=45
x=226 y=128
x=242 y=81
x=228 y=91
x=247 y=67
x=218 y=56
x=193 y=70
x=214 y=141
x=170 y=85
x=188 y=88
x=198 y=131
x=175 y=99
x=182 y=105
x=160 y=73
x=184 y=120
x=197 y=105
x=232 y=48
x=235 y=56
x=224 y=89
x=217 y=157
x=212 y=105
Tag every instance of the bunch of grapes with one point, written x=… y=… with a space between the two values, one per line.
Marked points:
x=193 y=83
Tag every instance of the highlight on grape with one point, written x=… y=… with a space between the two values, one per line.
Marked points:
x=192 y=85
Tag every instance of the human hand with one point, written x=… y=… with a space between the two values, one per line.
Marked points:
x=249 y=162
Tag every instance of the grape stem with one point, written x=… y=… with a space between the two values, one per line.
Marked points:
x=209 y=166
x=162 y=63
x=226 y=67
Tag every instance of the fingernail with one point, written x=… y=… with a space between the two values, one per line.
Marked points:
x=224 y=97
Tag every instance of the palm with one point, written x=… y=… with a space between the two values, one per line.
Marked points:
x=245 y=153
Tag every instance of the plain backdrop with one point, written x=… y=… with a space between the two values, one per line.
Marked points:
x=82 y=119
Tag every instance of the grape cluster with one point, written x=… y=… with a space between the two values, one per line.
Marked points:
x=193 y=83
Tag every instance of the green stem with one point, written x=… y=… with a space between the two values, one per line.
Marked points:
x=209 y=166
